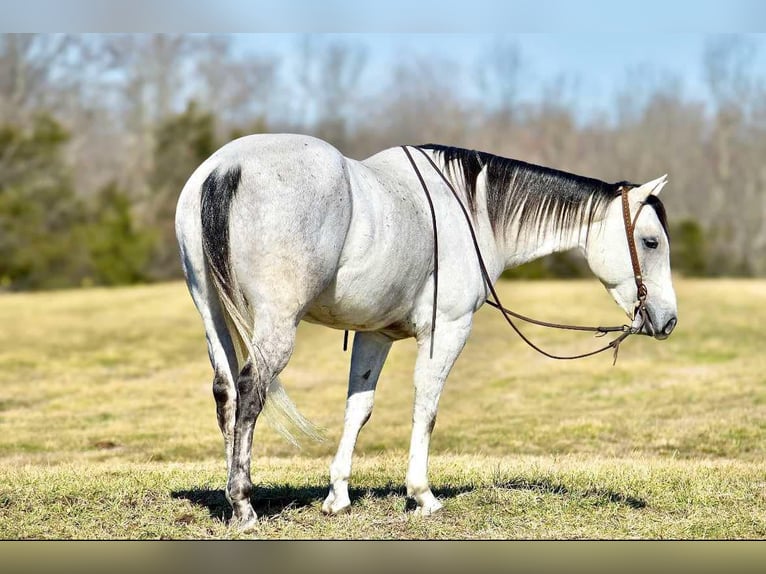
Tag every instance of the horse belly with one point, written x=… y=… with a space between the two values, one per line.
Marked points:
x=385 y=264
x=372 y=301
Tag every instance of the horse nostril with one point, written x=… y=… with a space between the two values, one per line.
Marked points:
x=669 y=326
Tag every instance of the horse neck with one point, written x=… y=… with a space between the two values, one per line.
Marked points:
x=522 y=242
x=517 y=244
x=484 y=182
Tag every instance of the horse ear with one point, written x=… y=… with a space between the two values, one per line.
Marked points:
x=653 y=187
x=658 y=184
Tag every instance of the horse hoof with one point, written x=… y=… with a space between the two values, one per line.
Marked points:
x=245 y=520
x=334 y=507
x=244 y=526
x=428 y=510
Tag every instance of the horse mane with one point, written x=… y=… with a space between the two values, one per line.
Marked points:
x=531 y=194
x=659 y=208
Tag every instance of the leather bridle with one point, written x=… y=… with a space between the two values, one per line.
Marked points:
x=624 y=330
x=630 y=228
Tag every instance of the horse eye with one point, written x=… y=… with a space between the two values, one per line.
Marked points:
x=650 y=243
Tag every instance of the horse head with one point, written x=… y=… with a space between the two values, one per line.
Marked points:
x=609 y=257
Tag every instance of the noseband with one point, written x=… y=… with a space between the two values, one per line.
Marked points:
x=624 y=330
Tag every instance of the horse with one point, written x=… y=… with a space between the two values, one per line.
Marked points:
x=274 y=229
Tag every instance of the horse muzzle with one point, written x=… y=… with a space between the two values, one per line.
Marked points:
x=667 y=329
x=644 y=325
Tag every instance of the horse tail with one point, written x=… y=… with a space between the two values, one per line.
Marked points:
x=218 y=191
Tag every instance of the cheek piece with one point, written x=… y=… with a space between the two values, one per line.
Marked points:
x=639 y=309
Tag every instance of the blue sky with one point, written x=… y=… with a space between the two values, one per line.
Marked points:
x=597 y=63
x=627 y=17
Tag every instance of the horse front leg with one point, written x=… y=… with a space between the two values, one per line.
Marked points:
x=430 y=375
x=367 y=358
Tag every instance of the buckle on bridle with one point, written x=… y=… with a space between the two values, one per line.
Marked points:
x=640 y=310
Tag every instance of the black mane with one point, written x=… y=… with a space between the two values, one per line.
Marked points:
x=654 y=202
x=531 y=194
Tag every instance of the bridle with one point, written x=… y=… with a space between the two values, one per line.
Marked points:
x=630 y=227
x=625 y=331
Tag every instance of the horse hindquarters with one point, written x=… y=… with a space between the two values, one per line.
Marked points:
x=267 y=231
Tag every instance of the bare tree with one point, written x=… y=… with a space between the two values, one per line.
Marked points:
x=59 y=75
x=728 y=65
x=241 y=90
x=109 y=95
x=328 y=77
x=34 y=70
x=738 y=182
x=151 y=81
x=500 y=70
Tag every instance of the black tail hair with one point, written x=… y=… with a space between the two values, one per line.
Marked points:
x=218 y=191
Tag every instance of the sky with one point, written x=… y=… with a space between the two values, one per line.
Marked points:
x=595 y=42
x=627 y=17
x=595 y=65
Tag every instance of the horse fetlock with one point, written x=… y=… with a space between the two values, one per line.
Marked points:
x=416 y=488
x=239 y=490
x=238 y=494
x=338 y=472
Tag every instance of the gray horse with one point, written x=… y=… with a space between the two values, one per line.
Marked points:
x=275 y=229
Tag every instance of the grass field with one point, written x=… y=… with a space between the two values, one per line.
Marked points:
x=107 y=425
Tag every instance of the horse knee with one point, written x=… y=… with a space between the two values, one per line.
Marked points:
x=425 y=417
x=359 y=407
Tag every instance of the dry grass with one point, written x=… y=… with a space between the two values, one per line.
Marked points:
x=107 y=424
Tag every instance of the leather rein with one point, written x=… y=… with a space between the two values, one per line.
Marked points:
x=624 y=330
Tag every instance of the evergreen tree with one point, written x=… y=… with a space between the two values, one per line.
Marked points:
x=119 y=250
x=41 y=219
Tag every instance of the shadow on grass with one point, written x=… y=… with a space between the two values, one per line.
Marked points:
x=547 y=486
x=271 y=501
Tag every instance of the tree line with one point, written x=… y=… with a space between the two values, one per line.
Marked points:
x=99 y=133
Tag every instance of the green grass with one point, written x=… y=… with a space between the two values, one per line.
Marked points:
x=487 y=497
x=107 y=425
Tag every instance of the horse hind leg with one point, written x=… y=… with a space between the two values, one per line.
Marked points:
x=220 y=347
x=367 y=358
x=273 y=343
x=224 y=390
